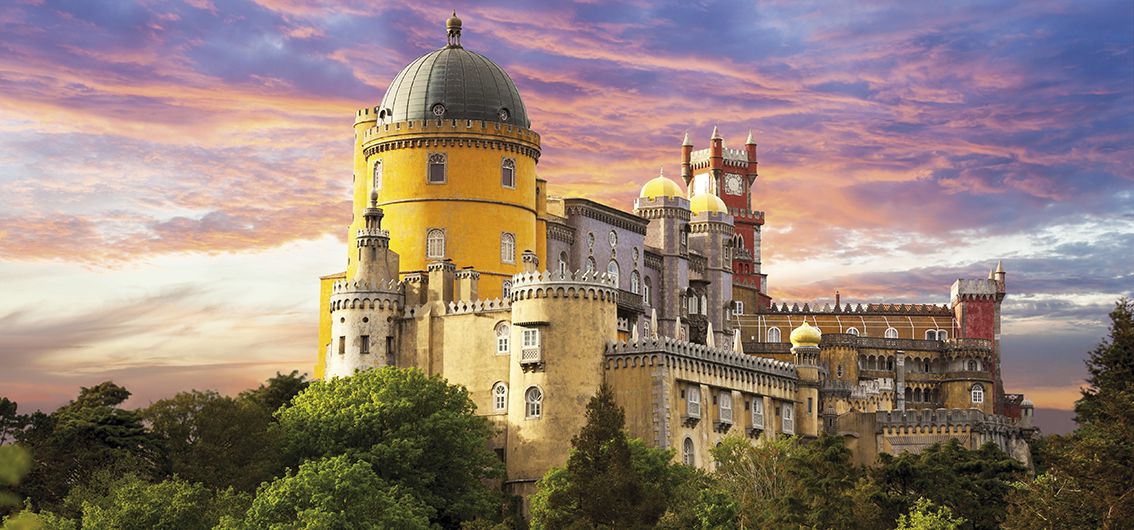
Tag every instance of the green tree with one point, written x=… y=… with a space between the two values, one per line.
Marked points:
x=417 y=431
x=15 y=461
x=759 y=477
x=277 y=391
x=333 y=493
x=11 y=423
x=172 y=504
x=827 y=478
x=216 y=440
x=1089 y=480
x=924 y=515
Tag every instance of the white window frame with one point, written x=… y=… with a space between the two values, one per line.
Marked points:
x=891 y=333
x=787 y=417
x=646 y=290
x=757 y=412
x=738 y=307
x=931 y=334
x=500 y=397
x=635 y=282
x=503 y=336
x=533 y=402
x=508 y=170
x=433 y=159
x=773 y=334
x=506 y=289
x=693 y=402
x=688 y=452
x=564 y=266
x=377 y=174
x=852 y=331
x=530 y=338
x=725 y=409
x=976 y=393
x=507 y=247
x=592 y=265
x=613 y=271
x=432 y=252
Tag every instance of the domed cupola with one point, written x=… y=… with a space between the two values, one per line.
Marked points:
x=453 y=84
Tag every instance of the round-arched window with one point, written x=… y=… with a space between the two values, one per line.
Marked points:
x=687 y=454
x=533 y=400
x=500 y=397
x=612 y=270
x=978 y=394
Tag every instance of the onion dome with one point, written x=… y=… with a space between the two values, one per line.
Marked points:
x=805 y=335
x=660 y=186
x=707 y=203
x=453 y=84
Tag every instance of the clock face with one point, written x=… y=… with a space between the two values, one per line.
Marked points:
x=733 y=184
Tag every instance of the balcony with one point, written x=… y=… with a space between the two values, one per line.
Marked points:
x=531 y=358
x=629 y=301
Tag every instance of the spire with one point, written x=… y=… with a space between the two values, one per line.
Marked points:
x=686 y=141
x=750 y=140
x=654 y=323
x=991 y=275
x=737 y=344
x=1000 y=266
x=710 y=340
x=716 y=134
x=453 y=30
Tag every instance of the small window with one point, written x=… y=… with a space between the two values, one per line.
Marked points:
x=364 y=344
x=437 y=163
x=810 y=404
x=726 y=407
x=773 y=334
x=342 y=345
x=930 y=334
x=635 y=282
x=647 y=332
x=757 y=412
x=687 y=451
x=507 y=248
x=377 y=174
x=693 y=402
x=891 y=333
x=852 y=331
x=704 y=305
x=591 y=265
x=738 y=307
x=971 y=365
x=942 y=335
x=391 y=355
x=839 y=371
x=506 y=289
x=502 y=336
x=435 y=243
x=978 y=394
x=500 y=397
x=787 y=421
x=531 y=338
x=508 y=173
x=692 y=305
x=533 y=399
x=612 y=270
x=563 y=266
x=646 y=291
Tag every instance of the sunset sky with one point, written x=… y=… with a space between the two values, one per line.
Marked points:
x=174 y=176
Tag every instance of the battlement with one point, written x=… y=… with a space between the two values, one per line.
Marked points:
x=348 y=286
x=954 y=345
x=478 y=306
x=877 y=309
x=711 y=222
x=699 y=352
x=365 y=115
x=744 y=214
x=554 y=284
x=470 y=127
x=983 y=289
x=911 y=420
x=372 y=232
x=735 y=156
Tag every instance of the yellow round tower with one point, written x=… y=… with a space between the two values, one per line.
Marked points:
x=454 y=162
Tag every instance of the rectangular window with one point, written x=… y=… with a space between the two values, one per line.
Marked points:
x=377 y=174
x=758 y=413
x=809 y=405
x=390 y=353
x=364 y=344
x=531 y=338
x=437 y=163
x=693 y=402
x=342 y=345
x=788 y=423
x=726 y=407
x=739 y=307
x=508 y=173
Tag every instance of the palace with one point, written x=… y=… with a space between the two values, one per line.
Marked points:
x=461 y=264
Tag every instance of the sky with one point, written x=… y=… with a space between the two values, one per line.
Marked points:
x=174 y=175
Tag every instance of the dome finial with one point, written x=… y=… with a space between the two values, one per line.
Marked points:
x=453 y=30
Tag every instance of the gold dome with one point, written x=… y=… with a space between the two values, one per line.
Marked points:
x=707 y=202
x=660 y=187
x=805 y=335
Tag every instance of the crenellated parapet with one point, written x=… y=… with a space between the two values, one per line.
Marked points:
x=553 y=284
x=943 y=421
x=478 y=306
x=746 y=215
x=680 y=349
x=444 y=133
x=869 y=309
x=346 y=294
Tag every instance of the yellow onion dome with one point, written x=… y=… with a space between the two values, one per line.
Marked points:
x=707 y=202
x=806 y=335
x=660 y=187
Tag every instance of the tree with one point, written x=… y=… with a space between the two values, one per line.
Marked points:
x=759 y=477
x=417 y=431
x=14 y=464
x=216 y=440
x=827 y=479
x=924 y=515
x=278 y=391
x=333 y=493
x=171 y=504
x=1089 y=482
x=11 y=422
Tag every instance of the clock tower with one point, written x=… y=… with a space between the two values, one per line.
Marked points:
x=731 y=174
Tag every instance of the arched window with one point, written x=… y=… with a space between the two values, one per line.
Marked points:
x=563 y=266
x=646 y=291
x=591 y=265
x=508 y=173
x=930 y=334
x=852 y=331
x=437 y=162
x=507 y=248
x=693 y=402
x=377 y=174
x=788 y=422
x=917 y=395
x=971 y=365
x=500 y=397
x=533 y=400
x=635 y=282
x=942 y=335
x=978 y=394
x=726 y=406
x=687 y=451
x=773 y=334
x=647 y=331
x=757 y=412
x=435 y=243
x=506 y=289
x=503 y=333
x=891 y=333
x=612 y=270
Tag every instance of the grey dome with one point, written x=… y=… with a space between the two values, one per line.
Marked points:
x=465 y=84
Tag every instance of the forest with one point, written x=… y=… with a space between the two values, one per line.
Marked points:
x=396 y=448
